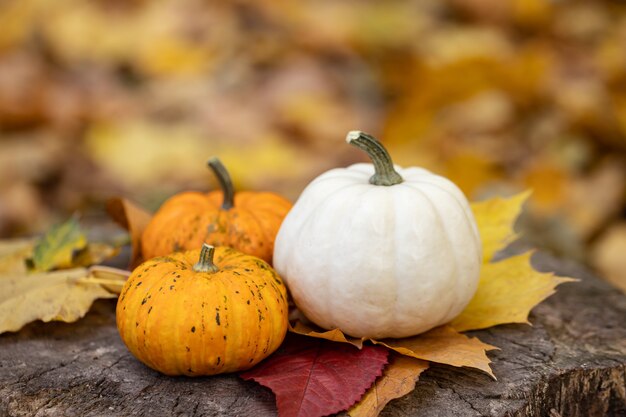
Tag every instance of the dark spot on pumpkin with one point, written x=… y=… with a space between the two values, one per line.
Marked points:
x=187 y=347
x=218 y=360
x=139 y=276
x=136 y=324
x=217 y=317
x=145 y=300
x=160 y=288
x=138 y=284
x=189 y=370
x=247 y=270
x=236 y=273
x=251 y=360
x=171 y=287
x=224 y=337
x=193 y=329
x=248 y=302
x=225 y=299
x=178 y=276
x=150 y=309
x=237 y=292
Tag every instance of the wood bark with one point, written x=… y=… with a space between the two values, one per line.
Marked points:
x=571 y=362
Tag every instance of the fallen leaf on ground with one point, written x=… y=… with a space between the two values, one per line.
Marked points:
x=94 y=253
x=14 y=254
x=314 y=377
x=132 y=218
x=507 y=292
x=46 y=296
x=334 y=335
x=495 y=218
x=112 y=279
x=398 y=379
x=57 y=247
x=444 y=345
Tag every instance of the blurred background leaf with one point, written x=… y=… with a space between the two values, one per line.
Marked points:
x=130 y=98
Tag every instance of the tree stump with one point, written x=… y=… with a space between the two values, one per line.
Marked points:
x=571 y=362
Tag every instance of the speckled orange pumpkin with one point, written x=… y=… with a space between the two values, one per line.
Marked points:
x=223 y=313
x=247 y=221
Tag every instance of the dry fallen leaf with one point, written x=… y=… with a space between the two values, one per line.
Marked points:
x=398 y=379
x=94 y=253
x=507 y=291
x=13 y=255
x=334 y=335
x=112 y=279
x=57 y=247
x=495 y=218
x=61 y=295
x=444 y=345
x=132 y=218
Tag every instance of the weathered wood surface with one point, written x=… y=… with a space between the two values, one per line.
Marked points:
x=572 y=362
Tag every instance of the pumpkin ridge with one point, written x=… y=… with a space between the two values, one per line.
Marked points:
x=145 y=321
x=451 y=247
x=459 y=204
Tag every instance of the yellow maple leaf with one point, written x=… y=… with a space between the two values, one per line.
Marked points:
x=495 y=219
x=507 y=291
x=397 y=380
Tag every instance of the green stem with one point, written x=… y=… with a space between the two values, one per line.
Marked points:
x=205 y=264
x=385 y=172
x=225 y=182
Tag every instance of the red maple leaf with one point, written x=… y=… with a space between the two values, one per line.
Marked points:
x=314 y=377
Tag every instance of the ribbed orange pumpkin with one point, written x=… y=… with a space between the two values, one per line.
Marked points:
x=182 y=317
x=247 y=221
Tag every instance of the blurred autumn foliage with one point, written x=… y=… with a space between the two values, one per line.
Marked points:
x=107 y=97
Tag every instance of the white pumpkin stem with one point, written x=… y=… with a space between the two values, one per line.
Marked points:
x=226 y=184
x=385 y=172
x=205 y=264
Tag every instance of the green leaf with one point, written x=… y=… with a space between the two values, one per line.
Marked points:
x=56 y=248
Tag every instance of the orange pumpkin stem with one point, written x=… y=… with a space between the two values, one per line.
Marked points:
x=385 y=173
x=226 y=183
x=205 y=264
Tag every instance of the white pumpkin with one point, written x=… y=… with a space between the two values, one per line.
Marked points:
x=379 y=251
